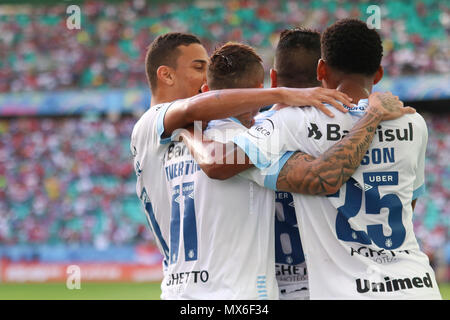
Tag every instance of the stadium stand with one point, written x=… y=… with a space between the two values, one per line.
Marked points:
x=66 y=180
x=37 y=52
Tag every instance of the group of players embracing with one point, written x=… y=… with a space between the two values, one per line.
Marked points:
x=304 y=190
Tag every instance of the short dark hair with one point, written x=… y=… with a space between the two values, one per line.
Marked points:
x=350 y=46
x=296 y=57
x=163 y=52
x=234 y=65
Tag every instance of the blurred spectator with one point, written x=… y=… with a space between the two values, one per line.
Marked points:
x=68 y=180
x=38 y=52
x=432 y=212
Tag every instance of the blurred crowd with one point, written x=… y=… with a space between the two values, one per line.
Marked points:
x=432 y=211
x=66 y=180
x=39 y=52
x=71 y=180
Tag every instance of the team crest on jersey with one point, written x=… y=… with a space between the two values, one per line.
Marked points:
x=263 y=129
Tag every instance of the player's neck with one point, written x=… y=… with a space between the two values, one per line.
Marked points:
x=162 y=96
x=356 y=87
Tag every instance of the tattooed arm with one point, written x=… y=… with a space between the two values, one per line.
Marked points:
x=306 y=174
x=303 y=166
x=325 y=174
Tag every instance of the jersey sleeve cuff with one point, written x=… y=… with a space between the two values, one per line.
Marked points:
x=160 y=124
x=252 y=151
x=419 y=191
x=270 y=181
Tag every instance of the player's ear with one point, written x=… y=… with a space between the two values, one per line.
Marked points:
x=273 y=78
x=321 y=70
x=205 y=88
x=166 y=75
x=378 y=75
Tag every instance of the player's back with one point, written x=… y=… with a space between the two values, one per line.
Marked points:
x=148 y=149
x=290 y=265
x=221 y=233
x=363 y=235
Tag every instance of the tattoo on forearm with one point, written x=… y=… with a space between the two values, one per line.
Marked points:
x=388 y=102
x=306 y=174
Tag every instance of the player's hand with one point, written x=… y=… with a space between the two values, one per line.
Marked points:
x=388 y=105
x=315 y=97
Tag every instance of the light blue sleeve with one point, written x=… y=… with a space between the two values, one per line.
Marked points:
x=271 y=177
x=252 y=150
x=419 y=192
x=267 y=177
x=160 y=123
x=270 y=137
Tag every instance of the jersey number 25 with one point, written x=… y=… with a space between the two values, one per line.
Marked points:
x=373 y=205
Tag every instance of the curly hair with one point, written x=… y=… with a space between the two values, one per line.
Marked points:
x=350 y=46
x=296 y=57
x=234 y=65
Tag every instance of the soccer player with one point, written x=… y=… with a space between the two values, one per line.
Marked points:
x=232 y=219
x=176 y=70
x=296 y=58
x=359 y=243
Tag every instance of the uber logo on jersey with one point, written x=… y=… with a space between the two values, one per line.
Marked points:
x=314 y=131
x=262 y=130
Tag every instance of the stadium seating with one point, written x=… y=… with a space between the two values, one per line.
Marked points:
x=66 y=180
x=38 y=52
x=432 y=212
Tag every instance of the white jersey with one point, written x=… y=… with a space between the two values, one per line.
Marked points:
x=218 y=234
x=148 y=150
x=290 y=265
x=358 y=243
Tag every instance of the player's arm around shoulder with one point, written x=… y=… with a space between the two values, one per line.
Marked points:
x=325 y=174
x=213 y=156
x=219 y=104
x=223 y=160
